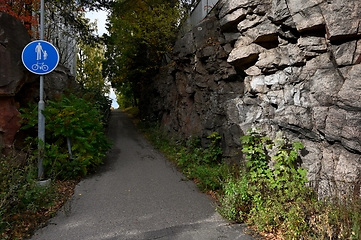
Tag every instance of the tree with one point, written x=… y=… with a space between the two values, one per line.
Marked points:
x=89 y=67
x=66 y=25
x=142 y=32
x=68 y=12
x=22 y=10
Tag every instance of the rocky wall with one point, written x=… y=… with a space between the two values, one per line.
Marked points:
x=276 y=65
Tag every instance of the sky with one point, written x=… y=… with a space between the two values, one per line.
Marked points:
x=101 y=18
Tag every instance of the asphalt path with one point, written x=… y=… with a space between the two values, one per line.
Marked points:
x=137 y=194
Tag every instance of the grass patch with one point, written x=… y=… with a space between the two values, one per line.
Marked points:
x=203 y=165
x=132 y=112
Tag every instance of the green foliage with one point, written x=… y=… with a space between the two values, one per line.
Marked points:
x=19 y=192
x=236 y=199
x=141 y=33
x=208 y=177
x=90 y=60
x=125 y=96
x=79 y=121
x=201 y=164
x=194 y=154
x=100 y=102
x=284 y=177
x=270 y=193
x=89 y=67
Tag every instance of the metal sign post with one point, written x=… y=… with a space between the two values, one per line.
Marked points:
x=40 y=57
x=41 y=107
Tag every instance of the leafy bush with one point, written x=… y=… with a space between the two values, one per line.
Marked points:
x=236 y=199
x=99 y=102
x=203 y=165
x=270 y=192
x=20 y=193
x=71 y=120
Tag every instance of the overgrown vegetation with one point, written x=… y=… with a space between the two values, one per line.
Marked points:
x=141 y=34
x=23 y=203
x=71 y=122
x=270 y=192
x=201 y=164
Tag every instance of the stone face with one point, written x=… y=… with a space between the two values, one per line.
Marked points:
x=312 y=46
x=245 y=54
x=309 y=19
x=233 y=18
x=290 y=65
x=184 y=47
x=9 y=121
x=279 y=11
x=344 y=53
x=13 y=38
x=265 y=31
x=349 y=95
x=342 y=18
x=324 y=86
x=230 y=6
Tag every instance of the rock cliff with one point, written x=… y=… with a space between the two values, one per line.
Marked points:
x=276 y=65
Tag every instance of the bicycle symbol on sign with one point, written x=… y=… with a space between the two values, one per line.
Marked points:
x=40 y=66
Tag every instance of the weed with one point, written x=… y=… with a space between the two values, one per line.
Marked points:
x=20 y=195
x=270 y=193
x=75 y=119
x=200 y=164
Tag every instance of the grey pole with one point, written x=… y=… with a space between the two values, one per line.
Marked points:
x=41 y=106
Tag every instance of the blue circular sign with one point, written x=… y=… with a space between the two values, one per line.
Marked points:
x=40 y=57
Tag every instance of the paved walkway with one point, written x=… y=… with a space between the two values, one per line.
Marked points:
x=137 y=194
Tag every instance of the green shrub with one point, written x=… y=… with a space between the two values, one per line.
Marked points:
x=20 y=193
x=270 y=192
x=209 y=177
x=203 y=165
x=236 y=199
x=76 y=120
x=99 y=102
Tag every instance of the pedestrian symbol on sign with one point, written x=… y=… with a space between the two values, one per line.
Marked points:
x=40 y=57
x=38 y=50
